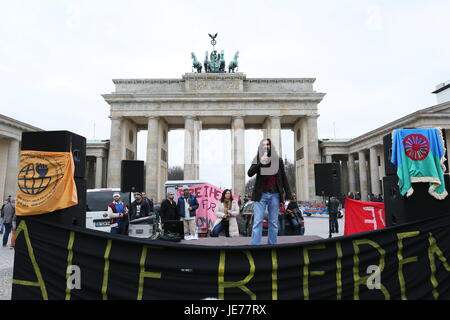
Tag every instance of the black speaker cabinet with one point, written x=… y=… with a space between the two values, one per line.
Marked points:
x=420 y=205
x=390 y=168
x=71 y=216
x=132 y=176
x=327 y=179
x=58 y=141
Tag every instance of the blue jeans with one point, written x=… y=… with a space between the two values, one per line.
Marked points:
x=115 y=230
x=221 y=226
x=272 y=202
x=8 y=227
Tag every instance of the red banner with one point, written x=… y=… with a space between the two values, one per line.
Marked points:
x=361 y=216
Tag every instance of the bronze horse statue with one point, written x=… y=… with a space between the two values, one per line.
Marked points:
x=233 y=63
x=195 y=64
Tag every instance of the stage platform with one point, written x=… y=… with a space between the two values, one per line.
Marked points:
x=245 y=241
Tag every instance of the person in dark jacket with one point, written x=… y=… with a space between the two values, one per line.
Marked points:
x=168 y=210
x=9 y=216
x=149 y=202
x=186 y=208
x=139 y=208
x=271 y=188
x=333 y=212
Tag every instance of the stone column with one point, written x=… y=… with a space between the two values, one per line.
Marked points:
x=328 y=158
x=197 y=129
x=115 y=153
x=238 y=155
x=189 y=148
x=351 y=173
x=12 y=168
x=312 y=153
x=152 y=163
x=374 y=172
x=272 y=130
x=363 y=175
x=98 y=172
x=344 y=176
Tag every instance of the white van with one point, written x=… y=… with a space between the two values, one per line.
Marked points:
x=173 y=185
x=97 y=207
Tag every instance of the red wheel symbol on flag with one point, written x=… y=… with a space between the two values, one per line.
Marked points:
x=416 y=146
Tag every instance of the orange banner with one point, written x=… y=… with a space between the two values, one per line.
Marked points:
x=45 y=182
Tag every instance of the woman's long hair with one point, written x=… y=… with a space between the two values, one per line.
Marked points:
x=224 y=193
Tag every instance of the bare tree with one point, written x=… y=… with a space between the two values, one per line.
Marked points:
x=289 y=168
x=250 y=185
x=175 y=173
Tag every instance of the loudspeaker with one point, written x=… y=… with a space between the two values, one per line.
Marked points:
x=390 y=168
x=58 y=141
x=132 y=176
x=327 y=179
x=420 y=205
x=71 y=216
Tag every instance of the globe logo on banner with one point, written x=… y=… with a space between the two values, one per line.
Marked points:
x=416 y=146
x=32 y=180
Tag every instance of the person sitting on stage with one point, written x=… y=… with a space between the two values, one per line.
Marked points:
x=270 y=185
x=294 y=215
x=226 y=211
x=186 y=208
x=139 y=208
x=117 y=211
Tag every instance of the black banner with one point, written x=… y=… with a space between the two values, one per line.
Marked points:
x=402 y=262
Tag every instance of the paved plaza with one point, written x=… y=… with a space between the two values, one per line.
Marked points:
x=6 y=270
x=315 y=225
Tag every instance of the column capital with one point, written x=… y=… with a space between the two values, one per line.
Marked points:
x=116 y=117
x=152 y=118
x=312 y=116
x=190 y=117
x=237 y=117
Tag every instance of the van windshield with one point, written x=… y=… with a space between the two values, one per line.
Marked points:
x=99 y=200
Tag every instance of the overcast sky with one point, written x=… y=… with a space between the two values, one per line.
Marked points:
x=375 y=60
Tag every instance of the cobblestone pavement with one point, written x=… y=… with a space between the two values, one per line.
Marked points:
x=6 y=270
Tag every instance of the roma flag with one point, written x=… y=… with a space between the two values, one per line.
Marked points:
x=45 y=182
x=419 y=157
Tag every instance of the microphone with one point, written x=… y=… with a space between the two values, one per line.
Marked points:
x=265 y=155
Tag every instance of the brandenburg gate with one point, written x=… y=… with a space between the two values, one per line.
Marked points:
x=213 y=100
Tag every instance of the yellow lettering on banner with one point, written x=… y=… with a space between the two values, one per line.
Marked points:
x=222 y=284
x=145 y=274
x=359 y=281
x=40 y=283
x=69 y=261
x=402 y=261
x=433 y=249
x=339 y=271
x=274 y=275
x=106 y=269
x=306 y=269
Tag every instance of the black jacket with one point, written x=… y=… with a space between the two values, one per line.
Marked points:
x=145 y=210
x=282 y=182
x=168 y=210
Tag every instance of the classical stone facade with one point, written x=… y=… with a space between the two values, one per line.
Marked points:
x=362 y=158
x=10 y=145
x=211 y=101
x=96 y=163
